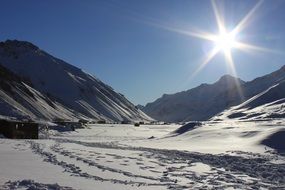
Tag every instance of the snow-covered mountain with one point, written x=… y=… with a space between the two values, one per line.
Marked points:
x=269 y=104
x=77 y=93
x=195 y=104
x=207 y=100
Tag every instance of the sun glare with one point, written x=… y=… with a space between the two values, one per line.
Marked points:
x=225 y=41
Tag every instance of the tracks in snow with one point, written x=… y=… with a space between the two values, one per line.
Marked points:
x=75 y=170
x=30 y=185
x=171 y=169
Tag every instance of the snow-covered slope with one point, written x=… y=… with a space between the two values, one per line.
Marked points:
x=196 y=104
x=19 y=100
x=269 y=104
x=205 y=101
x=74 y=89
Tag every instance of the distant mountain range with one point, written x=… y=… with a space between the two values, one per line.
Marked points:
x=36 y=85
x=207 y=100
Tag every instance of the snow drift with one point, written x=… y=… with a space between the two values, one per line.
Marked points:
x=276 y=141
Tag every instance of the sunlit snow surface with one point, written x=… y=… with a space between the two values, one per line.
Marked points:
x=216 y=155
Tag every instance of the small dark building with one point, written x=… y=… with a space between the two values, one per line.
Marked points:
x=83 y=121
x=125 y=122
x=69 y=125
x=19 y=129
x=101 y=122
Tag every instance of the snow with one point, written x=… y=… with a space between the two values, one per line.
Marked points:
x=200 y=168
x=214 y=155
x=19 y=163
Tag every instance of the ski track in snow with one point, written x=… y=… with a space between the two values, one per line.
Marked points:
x=168 y=168
x=32 y=185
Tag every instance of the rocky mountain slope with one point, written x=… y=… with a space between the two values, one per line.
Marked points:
x=80 y=93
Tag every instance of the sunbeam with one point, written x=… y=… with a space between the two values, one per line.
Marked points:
x=219 y=18
x=206 y=60
x=197 y=34
x=250 y=47
x=231 y=64
x=241 y=25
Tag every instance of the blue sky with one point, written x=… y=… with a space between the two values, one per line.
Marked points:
x=124 y=44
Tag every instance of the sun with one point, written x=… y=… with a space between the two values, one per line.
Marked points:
x=225 y=41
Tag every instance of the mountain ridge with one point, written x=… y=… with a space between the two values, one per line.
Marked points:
x=181 y=101
x=222 y=96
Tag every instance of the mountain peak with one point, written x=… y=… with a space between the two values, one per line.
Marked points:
x=18 y=44
x=15 y=48
x=228 y=79
x=139 y=106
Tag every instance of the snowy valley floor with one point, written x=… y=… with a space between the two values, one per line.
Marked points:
x=224 y=155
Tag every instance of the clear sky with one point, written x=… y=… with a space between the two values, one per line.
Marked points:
x=129 y=44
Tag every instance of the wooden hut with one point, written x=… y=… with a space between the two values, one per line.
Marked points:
x=19 y=129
